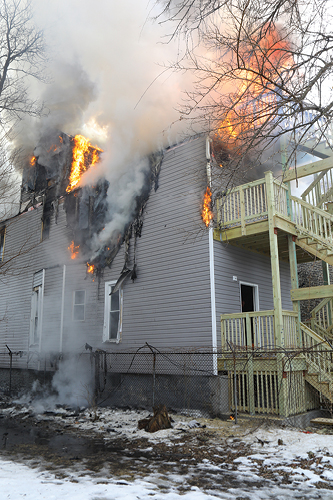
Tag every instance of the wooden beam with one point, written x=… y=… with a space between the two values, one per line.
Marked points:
x=286 y=225
x=312 y=292
x=308 y=169
x=236 y=232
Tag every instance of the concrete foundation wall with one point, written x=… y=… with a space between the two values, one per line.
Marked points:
x=206 y=395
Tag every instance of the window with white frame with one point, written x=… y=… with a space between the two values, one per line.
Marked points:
x=36 y=308
x=112 y=313
x=79 y=301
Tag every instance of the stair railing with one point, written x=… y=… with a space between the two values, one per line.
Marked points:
x=312 y=221
x=318 y=353
x=321 y=317
x=320 y=190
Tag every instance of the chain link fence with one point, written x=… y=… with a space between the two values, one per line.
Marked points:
x=267 y=382
x=183 y=381
x=276 y=382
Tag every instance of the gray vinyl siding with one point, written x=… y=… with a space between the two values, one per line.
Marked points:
x=248 y=267
x=168 y=305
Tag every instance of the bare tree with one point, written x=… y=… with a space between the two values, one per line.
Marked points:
x=262 y=74
x=21 y=58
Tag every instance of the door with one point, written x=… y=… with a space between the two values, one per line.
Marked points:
x=249 y=303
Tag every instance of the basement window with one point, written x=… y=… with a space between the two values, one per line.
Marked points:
x=79 y=302
x=112 y=313
x=2 y=242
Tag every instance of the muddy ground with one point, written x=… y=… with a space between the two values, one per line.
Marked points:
x=76 y=443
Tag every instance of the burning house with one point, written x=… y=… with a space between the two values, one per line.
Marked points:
x=179 y=269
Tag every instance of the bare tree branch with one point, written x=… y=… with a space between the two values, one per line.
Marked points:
x=263 y=73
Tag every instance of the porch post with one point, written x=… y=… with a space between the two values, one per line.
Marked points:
x=275 y=269
x=250 y=375
x=294 y=282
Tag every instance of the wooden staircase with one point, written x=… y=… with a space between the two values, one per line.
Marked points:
x=314 y=234
x=314 y=229
x=319 y=361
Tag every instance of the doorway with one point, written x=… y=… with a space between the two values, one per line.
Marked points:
x=249 y=302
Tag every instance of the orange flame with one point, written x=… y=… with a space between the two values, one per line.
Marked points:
x=207 y=213
x=33 y=161
x=231 y=417
x=74 y=250
x=90 y=268
x=84 y=155
x=256 y=91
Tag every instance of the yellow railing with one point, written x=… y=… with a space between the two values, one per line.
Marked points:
x=256 y=330
x=312 y=221
x=248 y=203
x=321 y=317
x=318 y=353
x=320 y=190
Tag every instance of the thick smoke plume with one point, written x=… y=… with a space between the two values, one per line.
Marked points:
x=105 y=62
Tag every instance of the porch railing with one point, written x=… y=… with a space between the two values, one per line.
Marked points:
x=256 y=330
x=248 y=203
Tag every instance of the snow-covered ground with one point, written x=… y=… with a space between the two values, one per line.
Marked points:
x=220 y=460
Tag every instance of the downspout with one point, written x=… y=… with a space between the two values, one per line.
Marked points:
x=62 y=308
x=41 y=320
x=211 y=265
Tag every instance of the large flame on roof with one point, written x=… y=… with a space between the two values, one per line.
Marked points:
x=263 y=66
x=84 y=156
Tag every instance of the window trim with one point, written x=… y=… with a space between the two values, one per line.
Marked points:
x=106 y=323
x=84 y=306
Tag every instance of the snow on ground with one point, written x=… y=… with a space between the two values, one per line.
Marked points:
x=19 y=481
x=238 y=462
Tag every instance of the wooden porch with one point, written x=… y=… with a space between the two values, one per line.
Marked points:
x=271 y=357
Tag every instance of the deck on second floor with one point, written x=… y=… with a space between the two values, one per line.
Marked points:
x=246 y=213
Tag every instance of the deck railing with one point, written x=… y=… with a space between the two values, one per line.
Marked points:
x=248 y=203
x=256 y=330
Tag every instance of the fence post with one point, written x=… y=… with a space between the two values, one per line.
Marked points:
x=235 y=386
x=250 y=375
x=154 y=376
x=10 y=370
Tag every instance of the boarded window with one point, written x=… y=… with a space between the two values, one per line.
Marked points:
x=2 y=242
